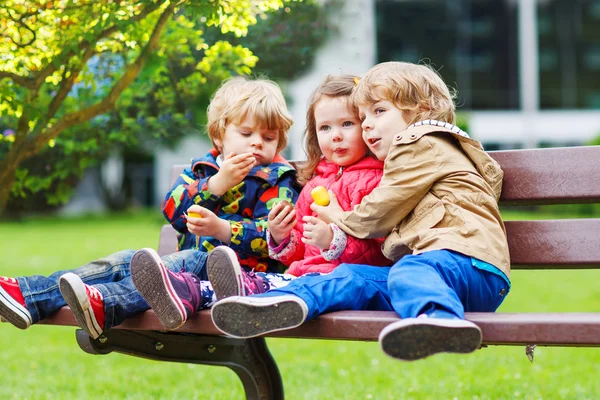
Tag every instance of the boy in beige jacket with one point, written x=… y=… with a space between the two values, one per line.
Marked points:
x=437 y=205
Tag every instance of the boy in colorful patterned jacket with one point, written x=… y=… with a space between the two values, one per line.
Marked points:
x=229 y=191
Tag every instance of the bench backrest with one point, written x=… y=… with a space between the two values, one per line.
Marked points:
x=535 y=176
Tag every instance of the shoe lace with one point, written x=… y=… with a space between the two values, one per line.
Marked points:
x=9 y=280
x=254 y=283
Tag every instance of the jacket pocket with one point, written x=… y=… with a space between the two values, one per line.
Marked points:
x=427 y=214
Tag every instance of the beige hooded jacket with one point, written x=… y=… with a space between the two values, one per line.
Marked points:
x=439 y=190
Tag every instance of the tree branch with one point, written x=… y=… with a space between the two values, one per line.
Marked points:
x=18 y=79
x=63 y=57
x=67 y=84
x=36 y=143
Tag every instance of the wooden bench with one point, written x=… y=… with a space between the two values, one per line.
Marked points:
x=532 y=177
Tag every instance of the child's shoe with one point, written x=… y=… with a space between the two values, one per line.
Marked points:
x=414 y=338
x=246 y=317
x=85 y=302
x=174 y=297
x=228 y=278
x=12 y=303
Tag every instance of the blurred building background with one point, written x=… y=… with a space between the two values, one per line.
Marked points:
x=527 y=71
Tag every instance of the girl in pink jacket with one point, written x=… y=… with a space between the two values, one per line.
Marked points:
x=339 y=160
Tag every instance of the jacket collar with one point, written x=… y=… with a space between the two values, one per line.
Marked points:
x=489 y=168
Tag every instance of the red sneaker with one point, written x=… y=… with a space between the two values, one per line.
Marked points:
x=12 y=303
x=86 y=303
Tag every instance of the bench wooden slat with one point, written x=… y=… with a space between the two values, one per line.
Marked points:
x=548 y=244
x=540 y=176
x=554 y=244
x=570 y=329
x=550 y=176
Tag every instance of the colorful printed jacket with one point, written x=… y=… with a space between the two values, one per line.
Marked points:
x=350 y=184
x=246 y=206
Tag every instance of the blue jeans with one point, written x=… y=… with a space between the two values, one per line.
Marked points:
x=111 y=276
x=437 y=283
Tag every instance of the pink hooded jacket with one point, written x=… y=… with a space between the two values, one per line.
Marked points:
x=350 y=184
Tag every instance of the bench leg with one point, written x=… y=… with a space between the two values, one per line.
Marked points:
x=250 y=359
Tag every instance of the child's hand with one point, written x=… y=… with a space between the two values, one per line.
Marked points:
x=317 y=233
x=233 y=170
x=328 y=213
x=281 y=221
x=208 y=224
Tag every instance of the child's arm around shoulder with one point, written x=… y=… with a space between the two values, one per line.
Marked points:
x=411 y=168
x=363 y=251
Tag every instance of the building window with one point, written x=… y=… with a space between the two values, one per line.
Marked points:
x=569 y=54
x=472 y=44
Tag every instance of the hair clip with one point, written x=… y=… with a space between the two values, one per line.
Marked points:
x=356 y=81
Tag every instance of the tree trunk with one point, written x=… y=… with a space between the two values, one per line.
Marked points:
x=7 y=179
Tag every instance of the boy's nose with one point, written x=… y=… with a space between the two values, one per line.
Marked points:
x=366 y=125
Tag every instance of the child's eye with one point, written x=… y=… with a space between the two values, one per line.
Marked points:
x=246 y=133
x=379 y=110
x=347 y=124
x=270 y=138
x=324 y=128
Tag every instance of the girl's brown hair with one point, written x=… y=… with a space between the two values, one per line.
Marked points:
x=332 y=86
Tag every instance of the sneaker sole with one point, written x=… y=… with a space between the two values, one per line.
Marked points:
x=243 y=320
x=226 y=282
x=13 y=312
x=153 y=283
x=73 y=291
x=414 y=342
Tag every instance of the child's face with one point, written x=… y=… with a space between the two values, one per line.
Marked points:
x=338 y=131
x=380 y=122
x=247 y=137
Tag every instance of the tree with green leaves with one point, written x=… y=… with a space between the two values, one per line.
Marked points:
x=65 y=62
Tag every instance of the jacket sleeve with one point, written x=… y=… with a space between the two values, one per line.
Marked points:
x=294 y=249
x=364 y=251
x=191 y=187
x=249 y=235
x=410 y=170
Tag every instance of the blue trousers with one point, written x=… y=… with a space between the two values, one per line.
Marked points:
x=110 y=275
x=440 y=283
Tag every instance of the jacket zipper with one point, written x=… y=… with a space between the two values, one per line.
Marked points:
x=339 y=173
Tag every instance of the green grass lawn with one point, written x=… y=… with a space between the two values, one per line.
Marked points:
x=45 y=362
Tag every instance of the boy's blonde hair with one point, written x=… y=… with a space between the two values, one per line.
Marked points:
x=239 y=97
x=417 y=90
x=332 y=86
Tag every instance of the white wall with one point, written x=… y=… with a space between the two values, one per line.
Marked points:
x=530 y=128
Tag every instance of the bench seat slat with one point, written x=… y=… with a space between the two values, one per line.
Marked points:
x=565 y=329
x=550 y=176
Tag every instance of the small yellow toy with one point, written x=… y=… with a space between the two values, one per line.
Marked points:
x=320 y=196
x=194 y=215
